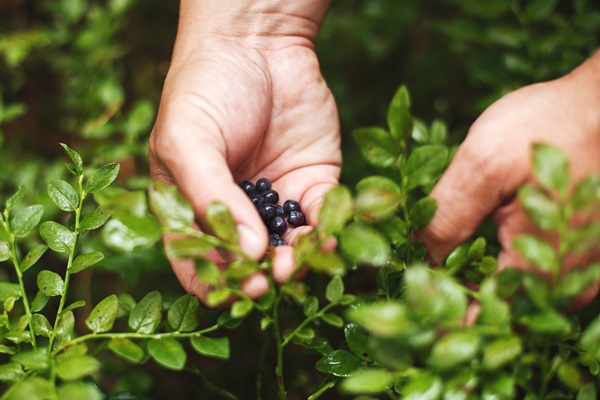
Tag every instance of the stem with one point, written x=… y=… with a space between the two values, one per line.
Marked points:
x=307 y=320
x=135 y=335
x=278 y=342
x=63 y=296
x=322 y=390
x=15 y=261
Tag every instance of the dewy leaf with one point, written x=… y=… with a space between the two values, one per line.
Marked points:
x=33 y=256
x=550 y=167
x=183 y=313
x=76 y=366
x=5 y=252
x=16 y=198
x=146 y=315
x=221 y=222
x=63 y=195
x=357 y=340
x=398 y=115
x=364 y=244
x=127 y=349
x=340 y=363
x=542 y=210
x=422 y=212
x=334 y=289
x=94 y=219
x=336 y=210
x=377 y=146
x=85 y=260
x=58 y=237
x=453 y=349
x=211 y=347
x=537 y=251
x=169 y=206
x=75 y=157
x=102 y=177
x=26 y=219
x=41 y=326
x=372 y=380
x=424 y=165
x=103 y=316
x=50 y=283
x=168 y=352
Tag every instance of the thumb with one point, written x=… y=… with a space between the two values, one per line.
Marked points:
x=479 y=179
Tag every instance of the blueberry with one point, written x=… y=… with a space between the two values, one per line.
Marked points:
x=267 y=211
x=270 y=196
x=274 y=242
x=280 y=211
x=248 y=187
x=255 y=199
x=291 y=205
x=281 y=242
x=296 y=218
x=263 y=184
x=278 y=225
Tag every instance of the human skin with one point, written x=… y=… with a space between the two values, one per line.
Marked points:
x=244 y=99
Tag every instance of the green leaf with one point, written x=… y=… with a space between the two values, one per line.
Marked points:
x=5 y=252
x=39 y=301
x=542 y=210
x=41 y=326
x=187 y=247
x=63 y=195
x=327 y=262
x=399 y=119
x=539 y=10
x=547 y=322
x=11 y=372
x=377 y=146
x=454 y=348
x=586 y=196
x=169 y=206
x=364 y=244
x=333 y=319
x=385 y=319
x=587 y=392
x=207 y=271
x=33 y=256
x=79 y=391
x=437 y=132
x=16 y=198
x=77 y=166
x=334 y=289
x=102 y=178
x=378 y=197
x=211 y=347
x=128 y=233
x=8 y=289
x=357 y=340
x=372 y=380
x=168 y=352
x=241 y=308
x=126 y=349
x=340 y=363
x=146 y=316
x=26 y=219
x=65 y=328
x=57 y=237
x=32 y=388
x=424 y=386
x=183 y=313
x=34 y=360
x=50 y=283
x=75 y=305
x=537 y=251
x=422 y=212
x=83 y=261
x=77 y=366
x=103 y=316
x=217 y=297
x=550 y=167
x=336 y=210
x=311 y=306
x=458 y=259
x=501 y=351
x=424 y=165
x=221 y=222
x=94 y=219
x=476 y=249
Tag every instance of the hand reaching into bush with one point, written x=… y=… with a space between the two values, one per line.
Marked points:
x=244 y=98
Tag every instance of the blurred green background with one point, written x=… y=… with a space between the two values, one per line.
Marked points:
x=89 y=73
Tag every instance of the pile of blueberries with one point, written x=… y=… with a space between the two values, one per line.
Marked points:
x=276 y=217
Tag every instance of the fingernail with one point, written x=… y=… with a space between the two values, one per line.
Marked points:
x=250 y=242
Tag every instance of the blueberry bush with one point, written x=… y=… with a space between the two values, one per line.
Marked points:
x=91 y=309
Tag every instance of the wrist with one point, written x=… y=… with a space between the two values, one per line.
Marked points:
x=252 y=23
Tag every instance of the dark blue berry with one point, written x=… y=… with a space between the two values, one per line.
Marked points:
x=280 y=211
x=267 y=211
x=291 y=205
x=270 y=196
x=248 y=187
x=278 y=225
x=263 y=184
x=281 y=242
x=296 y=218
x=255 y=199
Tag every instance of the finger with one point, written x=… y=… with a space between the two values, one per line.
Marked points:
x=480 y=177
